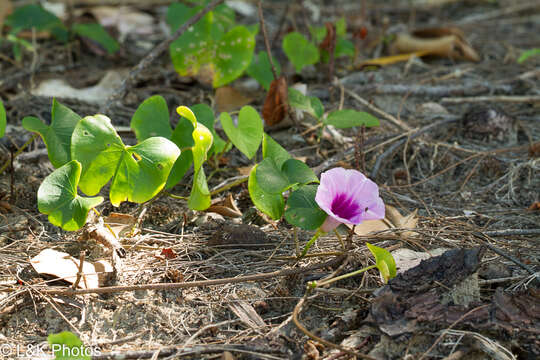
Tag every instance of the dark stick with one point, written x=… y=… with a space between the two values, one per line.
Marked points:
x=154 y=54
x=281 y=23
x=11 y=178
x=266 y=43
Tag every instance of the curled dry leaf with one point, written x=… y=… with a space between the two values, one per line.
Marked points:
x=276 y=105
x=445 y=42
x=65 y=267
x=103 y=235
x=226 y=207
x=121 y=224
x=535 y=206
x=329 y=42
x=229 y=99
x=534 y=150
x=393 y=219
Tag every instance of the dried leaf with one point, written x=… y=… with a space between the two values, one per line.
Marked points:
x=389 y=60
x=229 y=99
x=276 y=105
x=65 y=267
x=393 y=219
x=168 y=253
x=121 y=224
x=440 y=42
x=534 y=150
x=226 y=207
x=535 y=206
x=329 y=42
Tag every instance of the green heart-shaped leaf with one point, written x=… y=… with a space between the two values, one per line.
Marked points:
x=261 y=70
x=297 y=172
x=270 y=204
x=271 y=149
x=299 y=50
x=270 y=178
x=34 y=16
x=233 y=55
x=180 y=168
x=193 y=48
x=96 y=32
x=137 y=173
x=57 y=136
x=71 y=347
x=152 y=119
x=3 y=120
x=384 y=261
x=58 y=198
x=302 y=210
x=316 y=107
x=248 y=135
x=348 y=118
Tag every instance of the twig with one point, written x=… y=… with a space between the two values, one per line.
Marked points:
x=19 y=150
x=507 y=232
x=266 y=43
x=120 y=91
x=501 y=12
x=414 y=134
x=433 y=91
x=177 y=352
x=80 y=270
x=450 y=328
x=296 y=312
x=511 y=99
x=375 y=109
x=498 y=251
x=184 y=285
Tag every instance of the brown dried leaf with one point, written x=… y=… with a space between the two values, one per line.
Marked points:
x=121 y=224
x=5 y=9
x=226 y=207
x=229 y=99
x=534 y=150
x=65 y=267
x=276 y=105
x=535 y=206
x=393 y=219
x=329 y=42
x=444 y=42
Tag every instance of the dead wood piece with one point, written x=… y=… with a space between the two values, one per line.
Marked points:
x=435 y=91
x=239 y=236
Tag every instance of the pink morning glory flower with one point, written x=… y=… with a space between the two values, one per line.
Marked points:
x=347 y=196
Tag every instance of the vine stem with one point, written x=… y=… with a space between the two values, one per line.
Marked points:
x=344 y=276
x=310 y=242
x=18 y=152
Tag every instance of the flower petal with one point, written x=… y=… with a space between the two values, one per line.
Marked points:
x=376 y=211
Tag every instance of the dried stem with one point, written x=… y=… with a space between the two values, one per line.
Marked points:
x=266 y=43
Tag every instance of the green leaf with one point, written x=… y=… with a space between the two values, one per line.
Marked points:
x=199 y=199
x=233 y=55
x=344 y=48
x=182 y=135
x=34 y=16
x=205 y=115
x=270 y=204
x=261 y=70
x=57 y=136
x=341 y=27
x=384 y=262
x=299 y=50
x=318 y=33
x=67 y=346
x=203 y=141
x=192 y=49
x=349 y=118
x=527 y=54
x=96 y=32
x=271 y=149
x=297 y=172
x=137 y=173
x=3 y=120
x=152 y=119
x=312 y=105
x=302 y=210
x=223 y=20
x=248 y=135
x=58 y=198
x=317 y=108
x=179 y=169
x=270 y=178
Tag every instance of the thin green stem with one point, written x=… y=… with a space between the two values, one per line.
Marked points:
x=340 y=239
x=218 y=156
x=237 y=182
x=104 y=223
x=18 y=152
x=344 y=276
x=310 y=242
x=175 y=196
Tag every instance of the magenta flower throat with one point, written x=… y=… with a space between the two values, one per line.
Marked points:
x=347 y=196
